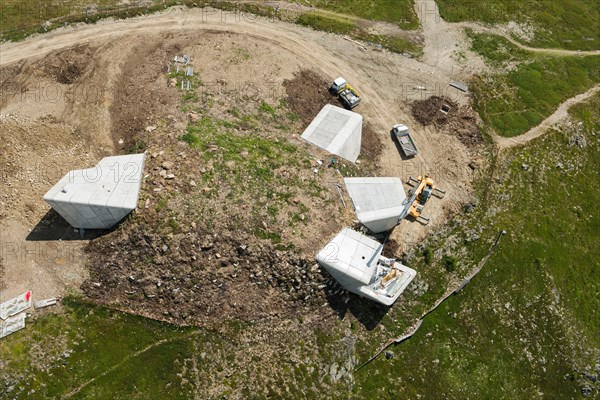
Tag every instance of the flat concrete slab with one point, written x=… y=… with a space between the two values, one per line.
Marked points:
x=337 y=131
x=100 y=197
x=378 y=201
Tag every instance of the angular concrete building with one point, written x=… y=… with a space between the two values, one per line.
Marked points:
x=100 y=197
x=355 y=261
x=337 y=131
x=378 y=202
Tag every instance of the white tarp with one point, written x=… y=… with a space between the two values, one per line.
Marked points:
x=16 y=305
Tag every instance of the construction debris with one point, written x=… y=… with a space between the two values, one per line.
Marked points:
x=12 y=325
x=185 y=59
x=361 y=46
x=16 y=305
x=463 y=87
x=449 y=117
x=45 y=303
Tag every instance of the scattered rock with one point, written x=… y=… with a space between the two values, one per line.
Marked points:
x=586 y=391
x=578 y=140
x=468 y=208
x=168 y=165
x=193 y=117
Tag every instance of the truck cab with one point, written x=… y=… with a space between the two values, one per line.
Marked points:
x=338 y=85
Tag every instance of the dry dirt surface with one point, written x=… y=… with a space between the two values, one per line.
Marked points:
x=307 y=93
x=38 y=250
x=111 y=81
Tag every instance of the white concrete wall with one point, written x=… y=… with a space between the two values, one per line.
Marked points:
x=100 y=197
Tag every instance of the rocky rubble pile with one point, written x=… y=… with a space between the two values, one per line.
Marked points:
x=197 y=279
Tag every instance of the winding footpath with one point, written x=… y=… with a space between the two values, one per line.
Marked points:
x=441 y=38
x=561 y=112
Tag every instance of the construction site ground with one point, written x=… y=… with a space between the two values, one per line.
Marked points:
x=234 y=204
x=76 y=82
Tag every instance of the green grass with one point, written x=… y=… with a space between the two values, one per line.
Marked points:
x=245 y=152
x=496 y=50
x=568 y=24
x=514 y=102
x=98 y=340
x=394 y=44
x=20 y=19
x=527 y=324
x=114 y=355
x=399 y=12
x=327 y=23
x=345 y=26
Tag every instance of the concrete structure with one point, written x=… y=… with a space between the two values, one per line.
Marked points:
x=12 y=325
x=337 y=131
x=16 y=305
x=100 y=197
x=355 y=261
x=378 y=202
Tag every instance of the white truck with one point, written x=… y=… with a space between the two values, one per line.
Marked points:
x=407 y=144
x=347 y=94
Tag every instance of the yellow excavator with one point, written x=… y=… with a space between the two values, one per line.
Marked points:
x=418 y=197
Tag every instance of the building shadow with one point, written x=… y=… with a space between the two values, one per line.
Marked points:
x=368 y=312
x=54 y=227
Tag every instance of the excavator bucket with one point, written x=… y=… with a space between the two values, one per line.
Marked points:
x=439 y=193
x=411 y=181
x=423 y=220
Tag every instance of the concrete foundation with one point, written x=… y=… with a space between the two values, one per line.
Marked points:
x=100 y=197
